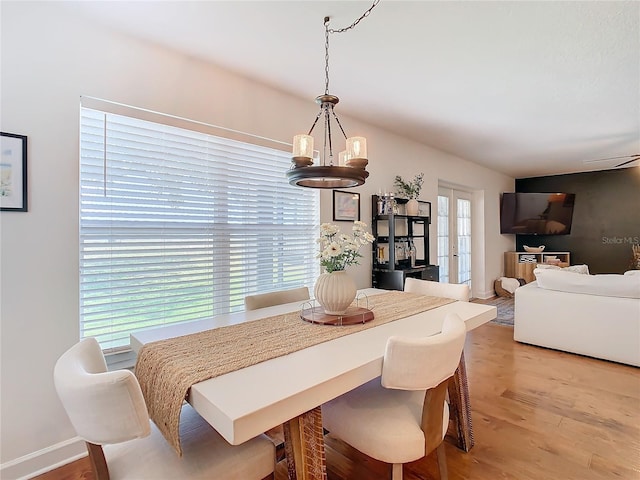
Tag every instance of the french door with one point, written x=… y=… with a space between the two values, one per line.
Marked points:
x=454 y=235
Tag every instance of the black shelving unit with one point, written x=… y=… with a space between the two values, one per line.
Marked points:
x=394 y=234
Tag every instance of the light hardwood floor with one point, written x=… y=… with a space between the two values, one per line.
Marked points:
x=538 y=414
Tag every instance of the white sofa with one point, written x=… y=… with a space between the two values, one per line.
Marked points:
x=593 y=315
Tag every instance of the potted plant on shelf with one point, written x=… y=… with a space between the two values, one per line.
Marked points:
x=411 y=191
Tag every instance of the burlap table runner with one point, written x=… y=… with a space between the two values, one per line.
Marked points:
x=166 y=369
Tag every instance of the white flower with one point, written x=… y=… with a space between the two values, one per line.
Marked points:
x=359 y=226
x=333 y=250
x=328 y=229
x=351 y=246
x=339 y=250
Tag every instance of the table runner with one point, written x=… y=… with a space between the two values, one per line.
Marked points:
x=168 y=368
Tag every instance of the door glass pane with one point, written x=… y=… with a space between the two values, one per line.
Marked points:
x=443 y=237
x=464 y=241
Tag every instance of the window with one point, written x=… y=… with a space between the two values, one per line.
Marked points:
x=179 y=225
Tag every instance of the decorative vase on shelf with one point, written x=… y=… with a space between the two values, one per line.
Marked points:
x=335 y=291
x=412 y=207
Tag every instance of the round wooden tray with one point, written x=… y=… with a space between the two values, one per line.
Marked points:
x=352 y=316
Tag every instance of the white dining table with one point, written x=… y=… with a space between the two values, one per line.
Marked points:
x=289 y=389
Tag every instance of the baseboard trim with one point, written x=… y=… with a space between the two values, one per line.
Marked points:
x=45 y=460
x=486 y=295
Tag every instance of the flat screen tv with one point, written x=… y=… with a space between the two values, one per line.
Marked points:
x=536 y=213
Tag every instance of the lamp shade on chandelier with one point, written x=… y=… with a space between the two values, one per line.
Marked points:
x=330 y=170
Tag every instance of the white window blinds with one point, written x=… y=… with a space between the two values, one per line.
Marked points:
x=178 y=225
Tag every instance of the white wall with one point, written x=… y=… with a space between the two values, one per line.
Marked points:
x=48 y=61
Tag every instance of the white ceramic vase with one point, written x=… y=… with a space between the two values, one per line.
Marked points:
x=335 y=291
x=412 y=207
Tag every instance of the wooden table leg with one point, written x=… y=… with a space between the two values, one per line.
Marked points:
x=304 y=447
x=460 y=407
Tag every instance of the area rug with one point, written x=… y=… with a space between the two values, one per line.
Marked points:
x=505 y=309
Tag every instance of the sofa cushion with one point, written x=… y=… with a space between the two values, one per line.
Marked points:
x=625 y=286
x=632 y=272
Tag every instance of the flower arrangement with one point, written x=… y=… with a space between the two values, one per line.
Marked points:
x=339 y=250
x=410 y=190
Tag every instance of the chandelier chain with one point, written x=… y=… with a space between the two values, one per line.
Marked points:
x=328 y=30
x=364 y=15
x=326 y=56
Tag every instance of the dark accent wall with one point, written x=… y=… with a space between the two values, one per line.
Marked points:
x=606 y=217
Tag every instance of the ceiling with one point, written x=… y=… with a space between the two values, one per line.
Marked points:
x=523 y=87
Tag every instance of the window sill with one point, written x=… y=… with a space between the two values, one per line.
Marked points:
x=121 y=360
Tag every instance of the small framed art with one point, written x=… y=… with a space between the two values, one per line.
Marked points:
x=346 y=206
x=13 y=172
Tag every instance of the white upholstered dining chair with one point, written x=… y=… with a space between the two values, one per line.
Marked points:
x=456 y=291
x=403 y=415
x=108 y=412
x=262 y=300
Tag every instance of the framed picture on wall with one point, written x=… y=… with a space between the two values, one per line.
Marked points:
x=13 y=172
x=346 y=206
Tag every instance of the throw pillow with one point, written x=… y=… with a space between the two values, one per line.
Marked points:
x=584 y=269
x=548 y=266
x=505 y=287
x=501 y=292
x=632 y=272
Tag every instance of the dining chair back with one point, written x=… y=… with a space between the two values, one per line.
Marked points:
x=456 y=291
x=263 y=300
x=108 y=411
x=254 y=302
x=403 y=415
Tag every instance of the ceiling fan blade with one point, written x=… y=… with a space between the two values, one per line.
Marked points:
x=637 y=157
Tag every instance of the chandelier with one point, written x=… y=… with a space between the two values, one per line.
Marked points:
x=349 y=168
